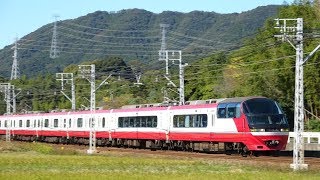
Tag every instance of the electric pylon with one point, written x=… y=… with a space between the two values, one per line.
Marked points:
x=54 y=51
x=15 y=68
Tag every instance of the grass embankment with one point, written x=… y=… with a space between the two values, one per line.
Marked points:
x=43 y=161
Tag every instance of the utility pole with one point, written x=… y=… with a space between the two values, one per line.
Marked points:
x=173 y=55
x=13 y=99
x=288 y=27
x=67 y=78
x=88 y=72
x=6 y=89
x=162 y=53
x=54 y=51
x=15 y=67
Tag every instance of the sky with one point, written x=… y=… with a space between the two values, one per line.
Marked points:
x=21 y=17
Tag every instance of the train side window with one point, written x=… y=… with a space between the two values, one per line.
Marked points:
x=20 y=123
x=190 y=121
x=34 y=123
x=28 y=123
x=203 y=118
x=187 y=121
x=55 y=123
x=103 y=122
x=79 y=122
x=231 y=110
x=46 y=122
x=90 y=123
x=238 y=110
x=138 y=121
x=143 y=121
x=154 y=122
x=181 y=122
x=197 y=121
x=222 y=111
x=70 y=121
x=175 y=121
x=126 y=122
x=0 y=123
x=64 y=123
x=120 y=122
x=131 y=122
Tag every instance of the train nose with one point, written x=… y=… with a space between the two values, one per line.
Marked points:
x=272 y=143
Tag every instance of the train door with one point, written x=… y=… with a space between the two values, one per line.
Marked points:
x=168 y=119
x=112 y=125
x=211 y=123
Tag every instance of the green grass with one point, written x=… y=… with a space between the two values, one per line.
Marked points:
x=31 y=163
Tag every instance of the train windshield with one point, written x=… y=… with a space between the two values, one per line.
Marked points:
x=264 y=113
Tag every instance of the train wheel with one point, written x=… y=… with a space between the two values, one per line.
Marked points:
x=275 y=153
x=245 y=151
x=255 y=153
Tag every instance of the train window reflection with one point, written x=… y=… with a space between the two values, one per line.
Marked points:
x=138 y=121
x=46 y=123
x=79 y=122
x=190 y=121
x=229 y=110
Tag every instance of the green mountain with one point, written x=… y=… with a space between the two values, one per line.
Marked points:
x=133 y=34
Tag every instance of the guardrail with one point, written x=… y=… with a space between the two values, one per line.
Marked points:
x=309 y=137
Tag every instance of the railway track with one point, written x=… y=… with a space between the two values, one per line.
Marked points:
x=281 y=161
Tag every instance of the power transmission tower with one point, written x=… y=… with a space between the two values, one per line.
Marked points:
x=138 y=77
x=68 y=78
x=287 y=27
x=15 y=67
x=88 y=72
x=162 y=53
x=54 y=51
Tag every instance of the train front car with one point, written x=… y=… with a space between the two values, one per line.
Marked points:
x=260 y=123
x=267 y=125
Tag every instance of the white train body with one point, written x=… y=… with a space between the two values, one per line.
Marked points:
x=185 y=124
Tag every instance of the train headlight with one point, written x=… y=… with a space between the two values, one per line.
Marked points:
x=284 y=129
x=257 y=130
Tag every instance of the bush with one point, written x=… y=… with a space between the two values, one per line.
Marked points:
x=313 y=125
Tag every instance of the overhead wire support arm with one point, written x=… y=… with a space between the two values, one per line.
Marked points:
x=311 y=54
x=65 y=78
x=103 y=82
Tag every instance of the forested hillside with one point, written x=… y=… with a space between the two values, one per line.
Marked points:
x=132 y=34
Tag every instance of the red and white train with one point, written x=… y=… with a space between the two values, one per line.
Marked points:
x=246 y=124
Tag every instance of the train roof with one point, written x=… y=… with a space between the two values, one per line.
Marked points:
x=240 y=99
x=152 y=107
